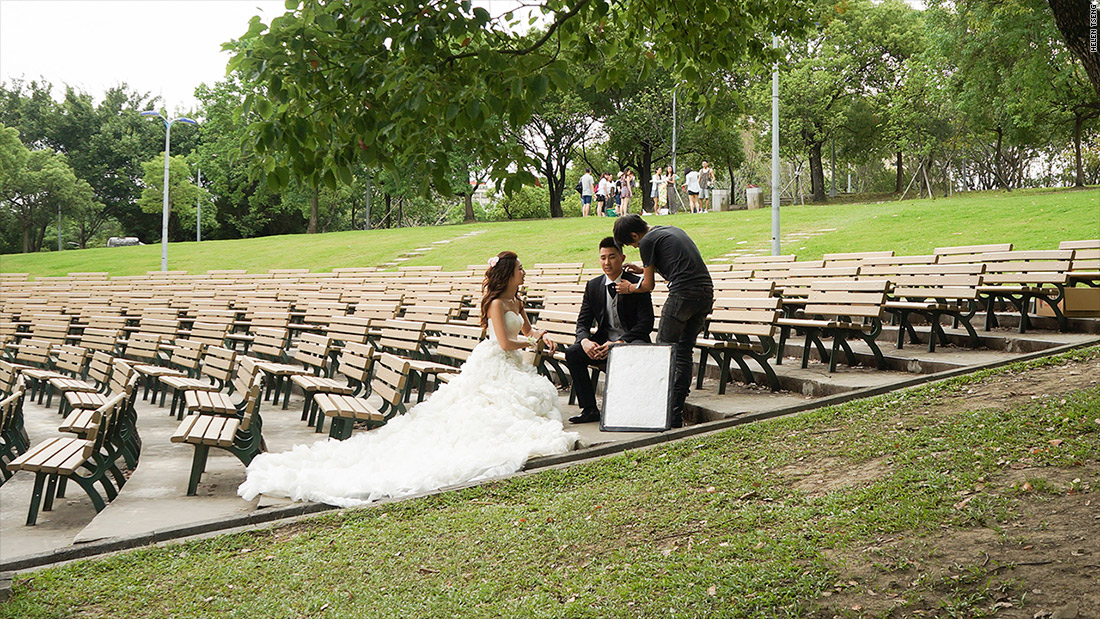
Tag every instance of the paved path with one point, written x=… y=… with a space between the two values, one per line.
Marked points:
x=155 y=498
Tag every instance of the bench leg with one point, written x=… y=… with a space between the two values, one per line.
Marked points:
x=783 y=333
x=833 y=354
x=51 y=489
x=60 y=492
x=702 y=367
x=305 y=405
x=36 y=498
x=901 y=317
x=320 y=427
x=198 y=466
x=340 y=428
x=746 y=372
x=286 y=394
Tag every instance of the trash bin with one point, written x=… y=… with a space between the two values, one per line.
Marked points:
x=754 y=197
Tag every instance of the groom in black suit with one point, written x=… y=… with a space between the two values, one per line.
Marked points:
x=620 y=319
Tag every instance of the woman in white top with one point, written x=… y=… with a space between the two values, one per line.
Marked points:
x=657 y=183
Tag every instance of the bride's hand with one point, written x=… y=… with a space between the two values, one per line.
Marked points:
x=551 y=345
x=630 y=267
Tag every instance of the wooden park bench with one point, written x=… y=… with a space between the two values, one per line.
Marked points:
x=122 y=372
x=88 y=462
x=13 y=436
x=840 y=309
x=408 y=340
x=1085 y=268
x=219 y=403
x=215 y=372
x=456 y=343
x=967 y=253
x=313 y=354
x=932 y=291
x=81 y=422
x=95 y=379
x=1023 y=277
x=391 y=374
x=736 y=328
x=354 y=364
x=240 y=433
x=184 y=361
x=71 y=362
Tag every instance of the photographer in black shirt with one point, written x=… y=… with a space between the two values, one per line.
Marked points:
x=671 y=252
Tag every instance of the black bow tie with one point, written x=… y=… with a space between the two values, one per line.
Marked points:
x=612 y=289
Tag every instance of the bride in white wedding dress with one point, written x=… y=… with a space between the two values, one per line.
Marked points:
x=486 y=422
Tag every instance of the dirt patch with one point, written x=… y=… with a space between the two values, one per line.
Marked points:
x=1042 y=561
x=1045 y=562
x=819 y=477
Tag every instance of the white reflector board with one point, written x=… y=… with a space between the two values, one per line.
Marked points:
x=639 y=386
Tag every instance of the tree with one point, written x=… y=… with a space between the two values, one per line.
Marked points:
x=858 y=50
x=182 y=196
x=246 y=207
x=560 y=122
x=1072 y=19
x=35 y=186
x=375 y=82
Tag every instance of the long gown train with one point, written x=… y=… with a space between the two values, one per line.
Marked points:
x=493 y=416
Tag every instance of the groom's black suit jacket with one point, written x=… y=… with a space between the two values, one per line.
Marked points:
x=635 y=312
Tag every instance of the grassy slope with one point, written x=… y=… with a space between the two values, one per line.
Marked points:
x=702 y=527
x=1032 y=219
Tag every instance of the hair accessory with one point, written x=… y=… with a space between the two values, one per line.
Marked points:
x=493 y=261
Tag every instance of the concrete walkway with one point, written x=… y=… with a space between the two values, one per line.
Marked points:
x=154 y=503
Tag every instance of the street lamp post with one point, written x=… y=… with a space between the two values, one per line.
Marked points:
x=198 y=210
x=164 y=216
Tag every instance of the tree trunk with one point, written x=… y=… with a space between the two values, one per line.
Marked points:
x=899 y=182
x=26 y=239
x=645 y=177
x=389 y=211
x=469 y=216
x=555 y=183
x=817 y=173
x=41 y=236
x=1079 y=177
x=1072 y=18
x=401 y=211
x=313 y=213
x=998 y=163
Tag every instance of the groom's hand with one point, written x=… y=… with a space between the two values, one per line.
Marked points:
x=592 y=349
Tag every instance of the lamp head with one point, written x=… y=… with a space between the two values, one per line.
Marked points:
x=151 y=113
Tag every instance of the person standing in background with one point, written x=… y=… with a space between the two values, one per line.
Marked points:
x=587 y=183
x=672 y=197
x=691 y=185
x=627 y=191
x=706 y=178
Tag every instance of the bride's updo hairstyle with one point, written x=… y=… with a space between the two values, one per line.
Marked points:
x=500 y=271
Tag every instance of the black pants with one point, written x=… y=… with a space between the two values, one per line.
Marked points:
x=577 y=360
x=682 y=320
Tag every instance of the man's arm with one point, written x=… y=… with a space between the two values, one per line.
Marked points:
x=584 y=317
x=646 y=285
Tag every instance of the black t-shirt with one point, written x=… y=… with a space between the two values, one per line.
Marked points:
x=674 y=255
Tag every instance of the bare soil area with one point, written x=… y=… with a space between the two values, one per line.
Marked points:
x=1041 y=560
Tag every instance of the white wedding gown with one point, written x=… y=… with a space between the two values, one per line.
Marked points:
x=486 y=422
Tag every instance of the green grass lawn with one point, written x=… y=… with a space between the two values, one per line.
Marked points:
x=1030 y=219
x=707 y=526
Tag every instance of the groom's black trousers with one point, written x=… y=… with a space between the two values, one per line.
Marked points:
x=578 y=362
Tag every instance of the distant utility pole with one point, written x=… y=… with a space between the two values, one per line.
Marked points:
x=775 y=153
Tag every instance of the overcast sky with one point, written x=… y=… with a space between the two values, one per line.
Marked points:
x=164 y=47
